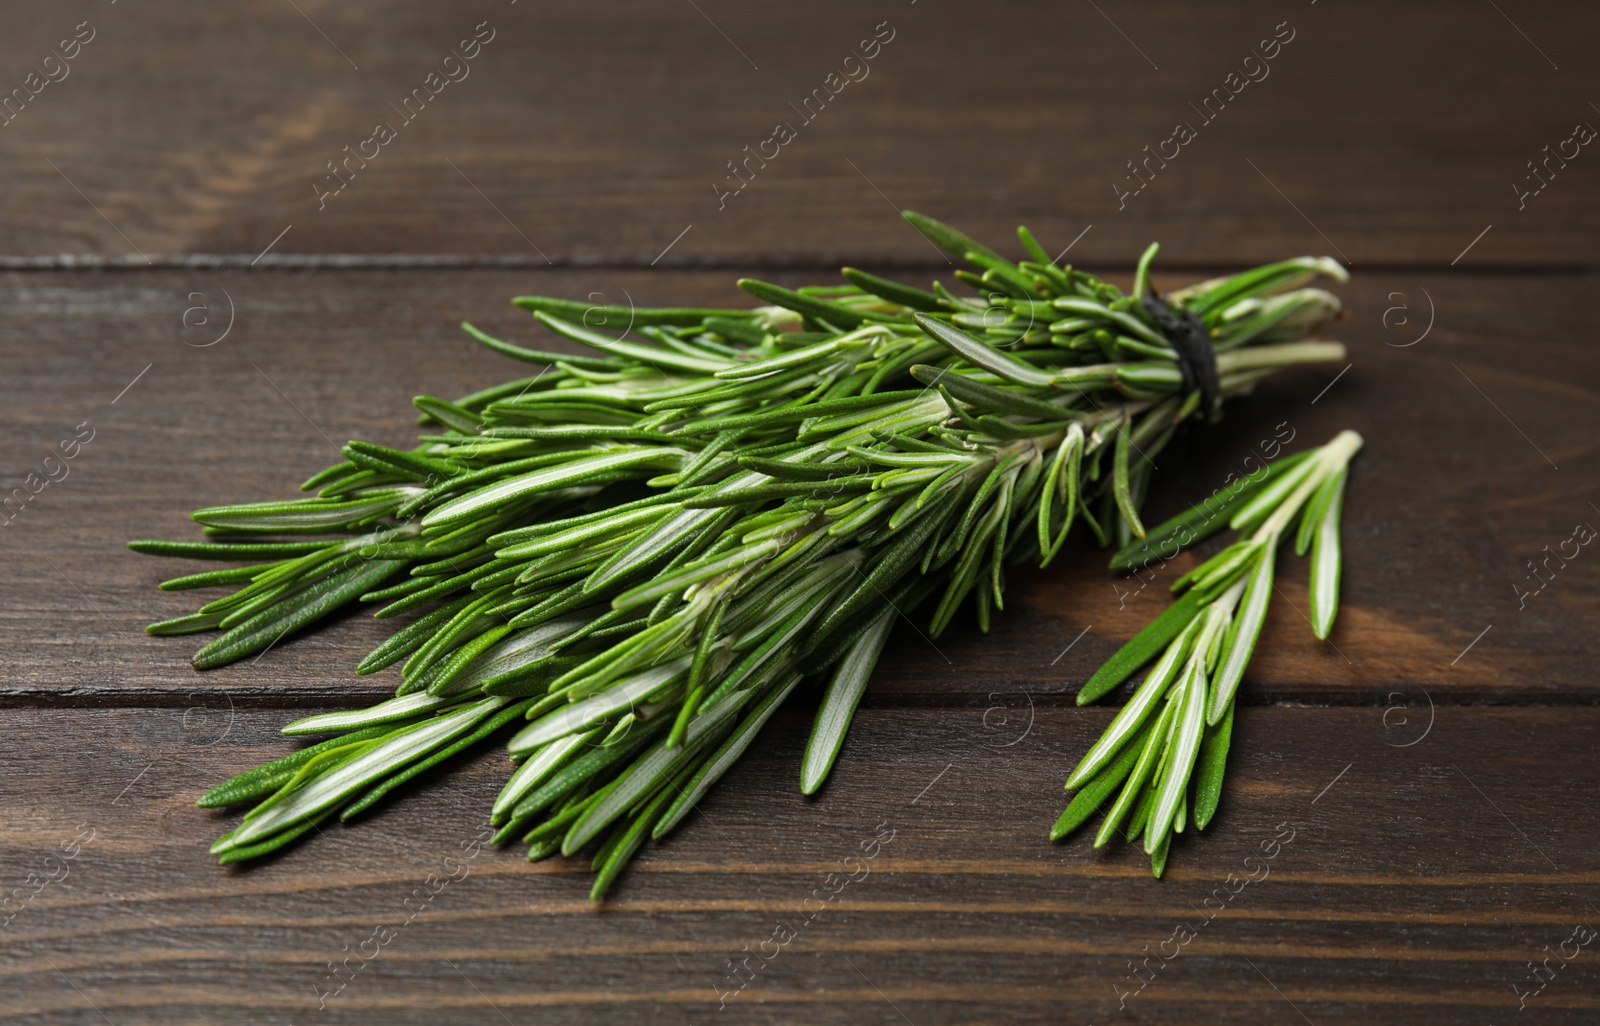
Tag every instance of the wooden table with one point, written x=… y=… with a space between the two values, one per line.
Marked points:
x=187 y=277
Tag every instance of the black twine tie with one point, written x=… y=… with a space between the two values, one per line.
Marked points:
x=1197 y=360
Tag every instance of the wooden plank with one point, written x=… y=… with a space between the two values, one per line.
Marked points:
x=587 y=132
x=1407 y=884
x=1457 y=490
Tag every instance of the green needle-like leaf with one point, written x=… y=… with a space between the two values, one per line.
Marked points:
x=724 y=757
x=626 y=844
x=538 y=768
x=1208 y=775
x=275 y=622
x=1133 y=715
x=395 y=710
x=1093 y=793
x=575 y=473
x=1200 y=521
x=651 y=770
x=1325 y=561
x=1242 y=638
x=585 y=714
x=1154 y=747
x=1189 y=725
x=946 y=237
x=839 y=701
x=486 y=728
x=893 y=291
x=1120 y=486
x=269 y=777
x=324 y=792
x=1141 y=648
x=982 y=354
x=835 y=314
x=303 y=515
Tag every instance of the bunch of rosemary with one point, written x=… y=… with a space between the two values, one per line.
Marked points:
x=638 y=553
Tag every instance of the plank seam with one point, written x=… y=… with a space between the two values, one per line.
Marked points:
x=258 y=696
x=295 y=262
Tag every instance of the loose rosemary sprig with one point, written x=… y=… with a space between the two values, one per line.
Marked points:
x=639 y=553
x=1164 y=753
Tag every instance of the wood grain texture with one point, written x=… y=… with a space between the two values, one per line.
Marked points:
x=595 y=132
x=1436 y=763
x=1482 y=452
x=1410 y=884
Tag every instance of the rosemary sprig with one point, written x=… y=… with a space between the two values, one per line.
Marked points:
x=1164 y=753
x=640 y=552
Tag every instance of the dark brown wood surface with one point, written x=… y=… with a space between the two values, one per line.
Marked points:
x=596 y=132
x=1436 y=761
x=1413 y=878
